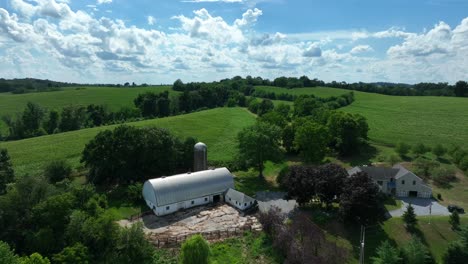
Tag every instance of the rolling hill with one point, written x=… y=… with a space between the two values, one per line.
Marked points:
x=218 y=128
x=412 y=119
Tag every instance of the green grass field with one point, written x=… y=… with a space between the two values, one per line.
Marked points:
x=412 y=119
x=218 y=128
x=114 y=98
x=435 y=232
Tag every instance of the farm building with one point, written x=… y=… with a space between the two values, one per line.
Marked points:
x=169 y=194
x=396 y=181
x=239 y=200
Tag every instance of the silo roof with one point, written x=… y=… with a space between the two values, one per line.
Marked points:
x=200 y=146
x=187 y=186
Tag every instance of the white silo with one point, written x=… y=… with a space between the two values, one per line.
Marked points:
x=200 y=152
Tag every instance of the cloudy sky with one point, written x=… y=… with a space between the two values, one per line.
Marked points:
x=158 y=41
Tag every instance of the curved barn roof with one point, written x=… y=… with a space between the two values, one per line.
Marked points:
x=187 y=186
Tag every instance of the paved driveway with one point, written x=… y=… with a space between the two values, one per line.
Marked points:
x=268 y=199
x=421 y=207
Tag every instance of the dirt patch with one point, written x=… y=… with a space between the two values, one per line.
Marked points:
x=195 y=220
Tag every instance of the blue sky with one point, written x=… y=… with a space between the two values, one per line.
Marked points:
x=115 y=41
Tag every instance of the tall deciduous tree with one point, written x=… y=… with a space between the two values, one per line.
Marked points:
x=127 y=154
x=259 y=143
x=311 y=139
x=6 y=170
x=360 y=200
x=348 y=132
x=330 y=182
x=461 y=88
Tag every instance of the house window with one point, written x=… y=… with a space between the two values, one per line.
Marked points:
x=154 y=207
x=193 y=202
x=168 y=207
x=250 y=202
x=402 y=182
x=229 y=198
x=380 y=183
x=245 y=204
x=206 y=199
x=414 y=182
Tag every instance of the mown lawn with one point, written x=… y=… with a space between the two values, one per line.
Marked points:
x=218 y=128
x=412 y=119
x=114 y=98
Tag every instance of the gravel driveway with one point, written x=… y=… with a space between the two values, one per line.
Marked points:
x=421 y=207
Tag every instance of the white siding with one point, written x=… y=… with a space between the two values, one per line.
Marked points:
x=404 y=186
x=238 y=204
x=162 y=210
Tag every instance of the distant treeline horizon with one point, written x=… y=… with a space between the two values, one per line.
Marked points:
x=459 y=89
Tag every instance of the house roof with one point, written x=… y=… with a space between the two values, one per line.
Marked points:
x=239 y=196
x=382 y=173
x=187 y=186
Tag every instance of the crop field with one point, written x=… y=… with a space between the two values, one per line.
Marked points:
x=217 y=128
x=112 y=97
x=412 y=119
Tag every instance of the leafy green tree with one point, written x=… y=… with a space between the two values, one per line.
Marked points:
x=409 y=217
x=402 y=149
x=360 y=201
x=132 y=246
x=420 y=149
x=414 y=252
x=72 y=118
x=287 y=137
x=274 y=118
x=6 y=170
x=264 y=107
x=439 y=150
x=461 y=89
x=32 y=117
x=154 y=105
x=424 y=167
x=386 y=254
x=348 y=132
x=305 y=105
x=259 y=143
x=128 y=154
x=393 y=159
x=311 y=139
x=57 y=170
x=52 y=123
x=456 y=253
x=7 y=255
x=35 y=258
x=178 y=85
x=195 y=250
x=455 y=220
x=76 y=254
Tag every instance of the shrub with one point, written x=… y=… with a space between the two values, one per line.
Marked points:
x=442 y=176
x=402 y=148
x=57 y=170
x=409 y=217
x=439 y=150
x=195 y=250
x=419 y=149
x=134 y=192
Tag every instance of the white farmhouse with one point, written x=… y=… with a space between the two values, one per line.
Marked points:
x=169 y=194
x=396 y=181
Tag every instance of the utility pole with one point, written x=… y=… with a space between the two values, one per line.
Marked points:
x=363 y=236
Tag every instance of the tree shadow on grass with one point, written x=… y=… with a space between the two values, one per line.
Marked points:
x=363 y=158
x=250 y=183
x=328 y=220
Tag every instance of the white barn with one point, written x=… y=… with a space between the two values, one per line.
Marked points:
x=167 y=195
x=239 y=200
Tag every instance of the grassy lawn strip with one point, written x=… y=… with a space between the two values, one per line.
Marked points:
x=217 y=128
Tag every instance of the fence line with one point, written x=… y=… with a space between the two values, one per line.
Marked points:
x=175 y=240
